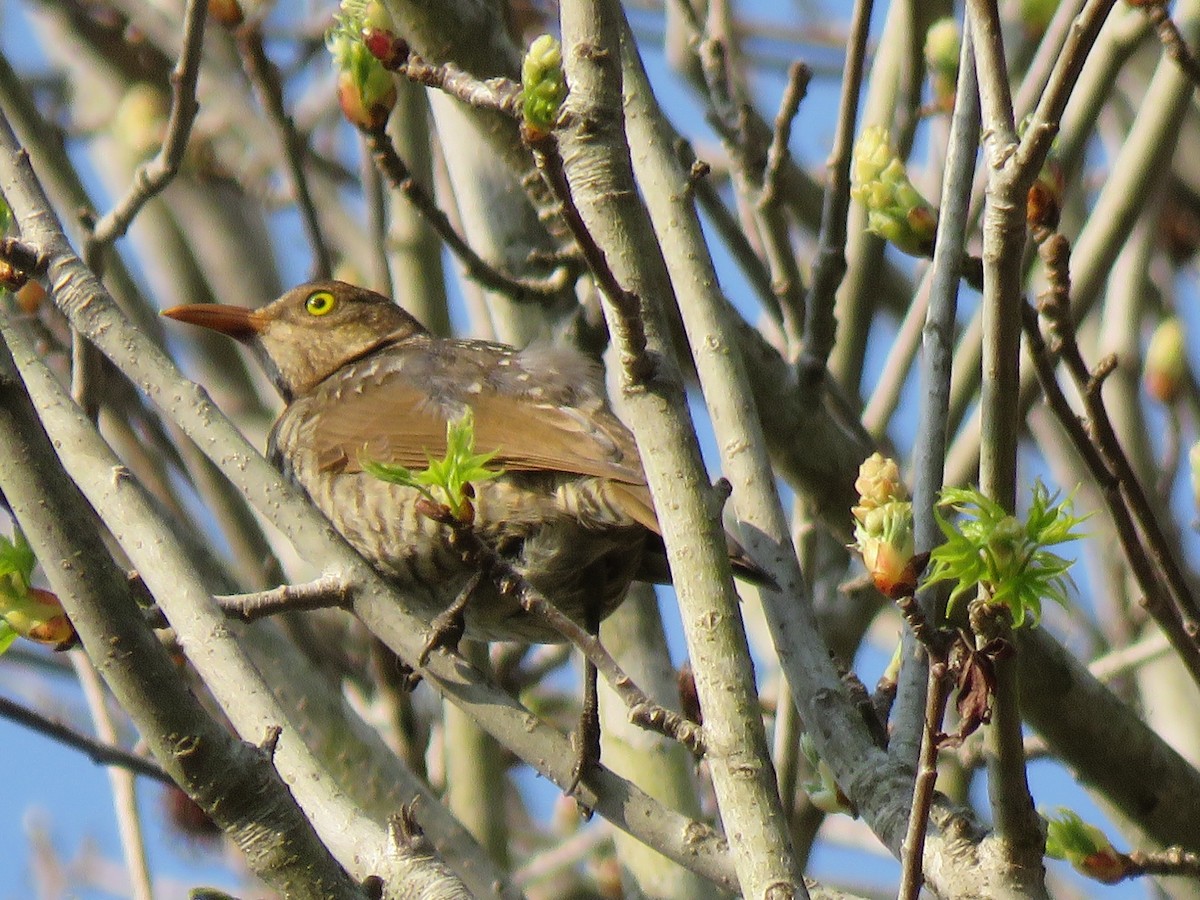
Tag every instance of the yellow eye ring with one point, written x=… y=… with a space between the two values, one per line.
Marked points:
x=320 y=303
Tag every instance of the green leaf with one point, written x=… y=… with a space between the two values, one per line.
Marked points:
x=17 y=559
x=451 y=474
x=1069 y=837
x=986 y=547
x=387 y=472
x=7 y=636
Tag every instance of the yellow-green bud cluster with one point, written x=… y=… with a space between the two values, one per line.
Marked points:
x=942 y=45
x=543 y=84
x=366 y=90
x=376 y=16
x=1166 y=368
x=896 y=211
x=140 y=120
x=878 y=482
x=883 y=529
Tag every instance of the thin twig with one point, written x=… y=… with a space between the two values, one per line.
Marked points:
x=787 y=283
x=265 y=78
x=151 y=177
x=1056 y=306
x=499 y=94
x=799 y=76
x=929 y=451
x=1118 y=662
x=829 y=264
x=911 y=869
x=642 y=709
x=636 y=360
x=523 y=674
x=397 y=173
x=1171 y=861
x=750 y=144
x=1167 y=594
x=1018 y=829
x=124 y=790
x=566 y=854
x=1043 y=124
x=327 y=592
x=786 y=749
x=884 y=400
x=98 y=752
x=1168 y=34
x=377 y=222
x=1044 y=361
x=971 y=754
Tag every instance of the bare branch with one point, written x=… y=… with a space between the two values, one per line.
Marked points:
x=151 y=177
x=99 y=752
x=265 y=78
x=379 y=143
x=829 y=266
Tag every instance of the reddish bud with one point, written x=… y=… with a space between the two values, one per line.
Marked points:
x=38 y=616
x=1107 y=866
x=385 y=47
x=1043 y=205
x=365 y=112
x=226 y=12
x=31 y=298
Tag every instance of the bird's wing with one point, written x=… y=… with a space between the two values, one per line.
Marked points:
x=393 y=421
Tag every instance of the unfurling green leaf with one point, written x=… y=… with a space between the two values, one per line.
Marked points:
x=543 y=84
x=988 y=548
x=1084 y=846
x=449 y=475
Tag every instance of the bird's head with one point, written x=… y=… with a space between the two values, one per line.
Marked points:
x=310 y=332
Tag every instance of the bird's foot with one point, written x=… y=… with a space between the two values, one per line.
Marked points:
x=448 y=626
x=445 y=631
x=587 y=737
x=408 y=678
x=587 y=757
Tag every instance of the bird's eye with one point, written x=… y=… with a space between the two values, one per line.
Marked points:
x=320 y=303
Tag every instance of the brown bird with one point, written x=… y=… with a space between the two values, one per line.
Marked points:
x=363 y=379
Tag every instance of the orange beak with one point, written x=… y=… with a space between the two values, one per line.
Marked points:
x=235 y=321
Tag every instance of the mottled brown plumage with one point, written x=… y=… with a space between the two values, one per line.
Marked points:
x=363 y=379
